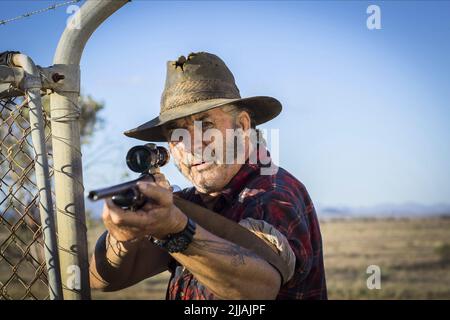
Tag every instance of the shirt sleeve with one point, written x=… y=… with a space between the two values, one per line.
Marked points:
x=276 y=240
x=287 y=212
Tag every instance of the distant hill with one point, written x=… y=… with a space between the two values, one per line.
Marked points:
x=386 y=210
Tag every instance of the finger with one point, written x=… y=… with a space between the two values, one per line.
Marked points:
x=116 y=214
x=105 y=212
x=140 y=219
x=149 y=205
x=112 y=207
x=106 y=215
x=151 y=190
x=126 y=218
x=159 y=177
x=161 y=180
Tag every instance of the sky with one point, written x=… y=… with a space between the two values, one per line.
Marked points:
x=366 y=113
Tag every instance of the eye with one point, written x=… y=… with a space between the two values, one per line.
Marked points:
x=175 y=142
x=207 y=125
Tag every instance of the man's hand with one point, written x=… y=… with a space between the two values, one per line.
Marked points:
x=158 y=218
x=161 y=180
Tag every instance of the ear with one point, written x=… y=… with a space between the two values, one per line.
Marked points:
x=244 y=121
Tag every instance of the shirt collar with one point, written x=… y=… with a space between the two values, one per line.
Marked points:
x=247 y=171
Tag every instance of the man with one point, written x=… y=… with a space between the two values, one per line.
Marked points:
x=273 y=204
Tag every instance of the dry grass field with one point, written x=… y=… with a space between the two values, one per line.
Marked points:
x=414 y=257
x=413 y=254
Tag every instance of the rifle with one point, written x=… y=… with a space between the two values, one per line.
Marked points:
x=146 y=160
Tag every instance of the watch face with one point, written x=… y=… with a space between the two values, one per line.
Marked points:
x=180 y=241
x=178 y=244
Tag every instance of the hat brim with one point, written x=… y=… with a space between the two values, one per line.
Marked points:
x=263 y=109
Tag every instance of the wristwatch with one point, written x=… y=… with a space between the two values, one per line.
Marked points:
x=178 y=242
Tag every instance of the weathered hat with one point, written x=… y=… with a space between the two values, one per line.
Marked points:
x=196 y=84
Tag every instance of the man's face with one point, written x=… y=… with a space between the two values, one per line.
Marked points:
x=208 y=174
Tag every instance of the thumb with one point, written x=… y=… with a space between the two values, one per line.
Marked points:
x=159 y=194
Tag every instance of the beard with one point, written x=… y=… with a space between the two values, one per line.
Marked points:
x=207 y=180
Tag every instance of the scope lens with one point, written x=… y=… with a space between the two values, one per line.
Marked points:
x=138 y=159
x=163 y=156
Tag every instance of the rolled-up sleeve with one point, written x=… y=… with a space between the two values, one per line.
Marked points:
x=286 y=213
x=276 y=240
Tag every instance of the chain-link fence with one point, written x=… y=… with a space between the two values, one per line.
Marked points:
x=23 y=272
x=24 y=258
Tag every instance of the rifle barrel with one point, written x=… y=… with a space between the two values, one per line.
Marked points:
x=113 y=190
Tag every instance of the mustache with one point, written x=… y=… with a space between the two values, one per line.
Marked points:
x=195 y=159
x=193 y=156
x=190 y=159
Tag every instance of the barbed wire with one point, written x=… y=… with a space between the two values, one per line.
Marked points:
x=26 y=15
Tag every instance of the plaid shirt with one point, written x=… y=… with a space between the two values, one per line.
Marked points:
x=280 y=200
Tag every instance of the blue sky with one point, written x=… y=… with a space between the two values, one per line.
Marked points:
x=366 y=113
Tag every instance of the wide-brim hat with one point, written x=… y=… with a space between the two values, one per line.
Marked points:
x=199 y=83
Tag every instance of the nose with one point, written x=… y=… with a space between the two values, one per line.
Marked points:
x=192 y=143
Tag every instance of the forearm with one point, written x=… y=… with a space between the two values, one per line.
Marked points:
x=112 y=263
x=228 y=270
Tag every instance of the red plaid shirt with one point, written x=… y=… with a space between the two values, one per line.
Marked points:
x=282 y=201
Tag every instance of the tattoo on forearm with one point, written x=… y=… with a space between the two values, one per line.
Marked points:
x=115 y=249
x=237 y=252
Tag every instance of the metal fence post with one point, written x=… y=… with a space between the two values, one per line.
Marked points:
x=32 y=86
x=66 y=149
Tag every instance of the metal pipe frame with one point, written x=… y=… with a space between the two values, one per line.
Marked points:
x=11 y=79
x=32 y=88
x=66 y=149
